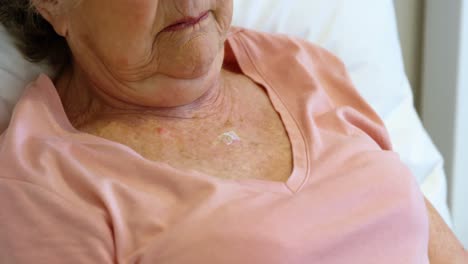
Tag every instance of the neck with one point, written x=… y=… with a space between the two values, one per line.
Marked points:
x=84 y=104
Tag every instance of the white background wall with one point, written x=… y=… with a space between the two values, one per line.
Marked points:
x=434 y=39
x=410 y=14
x=460 y=180
x=444 y=97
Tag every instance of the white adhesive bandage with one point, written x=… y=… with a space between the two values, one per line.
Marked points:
x=229 y=138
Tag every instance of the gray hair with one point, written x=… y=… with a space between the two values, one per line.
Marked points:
x=34 y=36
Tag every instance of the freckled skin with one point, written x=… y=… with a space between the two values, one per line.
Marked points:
x=163 y=132
x=264 y=151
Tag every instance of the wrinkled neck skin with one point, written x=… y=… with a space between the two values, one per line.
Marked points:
x=85 y=103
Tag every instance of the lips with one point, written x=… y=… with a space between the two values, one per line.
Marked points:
x=186 y=22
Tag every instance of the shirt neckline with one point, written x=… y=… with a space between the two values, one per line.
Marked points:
x=249 y=64
x=300 y=168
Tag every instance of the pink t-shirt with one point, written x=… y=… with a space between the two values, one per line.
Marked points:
x=70 y=197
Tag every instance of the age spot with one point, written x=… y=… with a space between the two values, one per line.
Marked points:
x=162 y=131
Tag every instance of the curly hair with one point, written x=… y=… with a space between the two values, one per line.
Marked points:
x=34 y=36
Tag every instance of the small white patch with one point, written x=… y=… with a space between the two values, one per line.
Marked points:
x=229 y=138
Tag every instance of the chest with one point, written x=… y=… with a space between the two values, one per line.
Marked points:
x=249 y=142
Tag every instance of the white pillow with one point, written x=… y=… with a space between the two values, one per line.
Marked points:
x=361 y=32
x=15 y=73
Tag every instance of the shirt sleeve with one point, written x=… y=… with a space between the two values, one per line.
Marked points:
x=348 y=103
x=39 y=226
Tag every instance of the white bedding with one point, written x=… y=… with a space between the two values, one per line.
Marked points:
x=361 y=32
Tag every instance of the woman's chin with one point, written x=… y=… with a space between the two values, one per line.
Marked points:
x=190 y=55
x=191 y=73
x=195 y=65
x=178 y=88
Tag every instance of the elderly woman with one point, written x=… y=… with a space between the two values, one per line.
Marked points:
x=168 y=137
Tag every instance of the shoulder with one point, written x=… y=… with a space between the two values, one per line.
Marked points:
x=293 y=62
x=308 y=77
x=281 y=47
